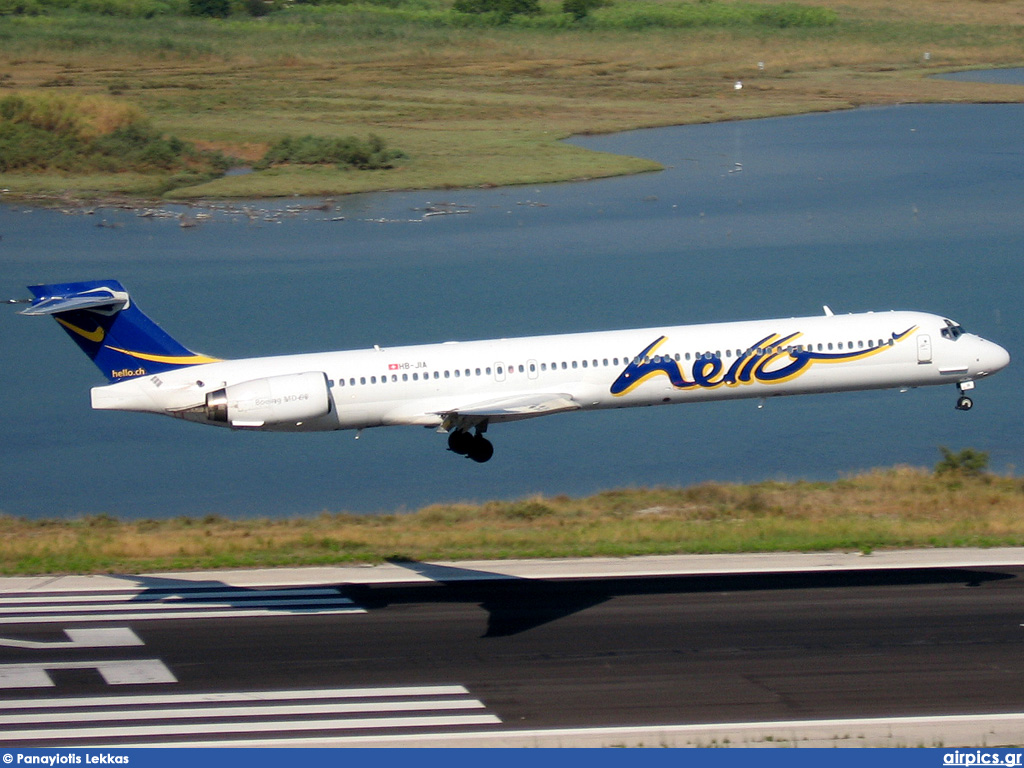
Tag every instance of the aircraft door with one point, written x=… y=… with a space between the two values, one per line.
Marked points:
x=924 y=348
x=531 y=368
x=499 y=371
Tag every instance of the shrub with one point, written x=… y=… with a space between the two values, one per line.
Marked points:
x=91 y=133
x=345 y=152
x=257 y=8
x=966 y=462
x=640 y=14
x=579 y=9
x=20 y=8
x=218 y=9
x=504 y=10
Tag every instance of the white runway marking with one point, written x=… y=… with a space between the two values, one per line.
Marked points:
x=277 y=716
x=164 y=699
x=131 y=672
x=186 y=603
x=96 y=637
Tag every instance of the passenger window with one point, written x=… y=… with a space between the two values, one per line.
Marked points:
x=584 y=363
x=457 y=374
x=362 y=379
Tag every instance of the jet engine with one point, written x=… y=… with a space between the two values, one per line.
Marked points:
x=290 y=399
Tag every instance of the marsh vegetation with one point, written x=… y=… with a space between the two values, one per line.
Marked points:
x=475 y=98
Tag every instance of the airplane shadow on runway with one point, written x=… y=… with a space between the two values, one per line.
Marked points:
x=211 y=593
x=517 y=604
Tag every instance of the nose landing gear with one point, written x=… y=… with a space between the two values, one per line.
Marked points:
x=964 y=403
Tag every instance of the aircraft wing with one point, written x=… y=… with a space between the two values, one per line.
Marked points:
x=514 y=408
x=465 y=416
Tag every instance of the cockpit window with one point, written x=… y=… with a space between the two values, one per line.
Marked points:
x=952 y=331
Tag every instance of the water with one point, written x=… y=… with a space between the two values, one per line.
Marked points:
x=1013 y=76
x=912 y=207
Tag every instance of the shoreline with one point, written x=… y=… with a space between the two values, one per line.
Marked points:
x=472 y=107
x=82 y=202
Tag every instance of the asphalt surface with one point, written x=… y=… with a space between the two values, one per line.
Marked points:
x=506 y=654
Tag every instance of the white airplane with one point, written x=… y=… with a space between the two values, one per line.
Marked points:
x=463 y=387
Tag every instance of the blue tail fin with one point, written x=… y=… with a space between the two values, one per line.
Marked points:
x=103 y=320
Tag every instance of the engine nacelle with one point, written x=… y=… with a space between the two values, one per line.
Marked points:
x=290 y=399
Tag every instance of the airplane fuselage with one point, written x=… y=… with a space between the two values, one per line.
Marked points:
x=457 y=386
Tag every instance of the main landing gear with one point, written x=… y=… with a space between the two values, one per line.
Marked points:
x=476 y=447
x=964 y=403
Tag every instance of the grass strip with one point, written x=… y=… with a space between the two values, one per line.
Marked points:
x=885 y=508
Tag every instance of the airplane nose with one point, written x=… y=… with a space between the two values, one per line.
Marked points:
x=993 y=358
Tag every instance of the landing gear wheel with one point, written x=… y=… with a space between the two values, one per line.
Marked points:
x=460 y=442
x=481 y=449
x=964 y=403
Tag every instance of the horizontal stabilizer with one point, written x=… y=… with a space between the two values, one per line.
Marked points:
x=53 y=305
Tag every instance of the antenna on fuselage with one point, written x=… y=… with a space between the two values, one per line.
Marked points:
x=828 y=311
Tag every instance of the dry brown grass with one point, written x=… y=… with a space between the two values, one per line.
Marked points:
x=887 y=508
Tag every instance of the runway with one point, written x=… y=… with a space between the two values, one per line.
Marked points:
x=451 y=654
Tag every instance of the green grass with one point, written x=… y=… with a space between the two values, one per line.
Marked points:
x=899 y=507
x=472 y=103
